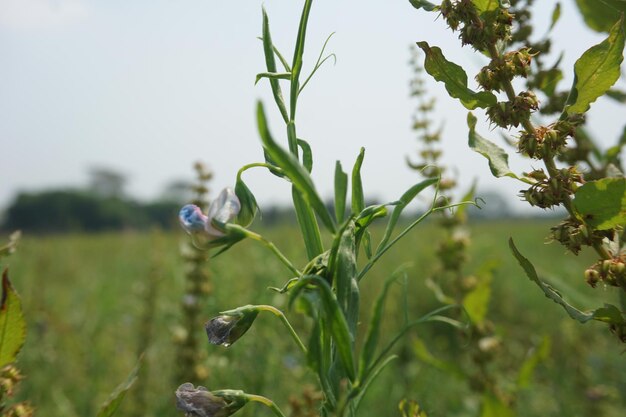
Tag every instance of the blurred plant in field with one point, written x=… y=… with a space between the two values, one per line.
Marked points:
x=587 y=182
x=191 y=354
x=327 y=288
x=12 y=337
x=485 y=374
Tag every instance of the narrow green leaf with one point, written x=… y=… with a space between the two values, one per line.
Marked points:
x=617 y=95
x=341 y=191
x=308 y=225
x=297 y=56
x=358 y=199
x=373 y=330
x=272 y=76
x=292 y=168
x=338 y=326
x=540 y=353
x=421 y=351
x=270 y=64
x=307 y=155
x=423 y=4
x=597 y=70
x=12 y=323
x=601 y=15
x=602 y=203
x=556 y=15
x=405 y=199
x=345 y=276
x=608 y=313
x=498 y=158
x=111 y=405
x=454 y=78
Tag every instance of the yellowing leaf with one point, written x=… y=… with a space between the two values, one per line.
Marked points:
x=12 y=323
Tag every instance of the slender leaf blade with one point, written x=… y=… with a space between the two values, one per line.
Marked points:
x=341 y=192
x=270 y=64
x=111 y=405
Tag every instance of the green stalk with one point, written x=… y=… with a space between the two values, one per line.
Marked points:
x=266 y=402
x=283 y=318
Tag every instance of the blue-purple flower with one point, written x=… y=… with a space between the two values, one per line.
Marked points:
x=222 y=210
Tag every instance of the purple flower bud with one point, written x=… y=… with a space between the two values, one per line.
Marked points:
x=192 y=219
x=223 y=210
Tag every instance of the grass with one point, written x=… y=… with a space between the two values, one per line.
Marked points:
x=82 y=296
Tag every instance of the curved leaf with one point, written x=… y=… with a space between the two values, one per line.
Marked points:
x=602 y=203
x=601 y=15
x=12 y=323
x=454 y=78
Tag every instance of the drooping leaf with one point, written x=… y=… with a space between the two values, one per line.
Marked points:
x=293 y=169
x=111 y=405
x=423 y=4
x=454 y=78
x=341 y=191
x=602 y=203
x=12 y=323
x=608 y=313
x=597 y=70
x=498 y=158
x=275 y=76
x=540 y=353
x=601 y=15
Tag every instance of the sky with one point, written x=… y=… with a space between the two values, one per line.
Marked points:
x=146 y=88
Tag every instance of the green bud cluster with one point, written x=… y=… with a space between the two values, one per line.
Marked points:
x=574 y=235
x=550 y=192
x=10 y=377
x=478 y=30
x=512 y=113
x=510 y=65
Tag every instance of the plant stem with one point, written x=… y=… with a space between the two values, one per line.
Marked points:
x=288 y=325
x=265 y=401
x=274 y=249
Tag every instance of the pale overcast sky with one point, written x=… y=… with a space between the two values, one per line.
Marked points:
x=149 y=87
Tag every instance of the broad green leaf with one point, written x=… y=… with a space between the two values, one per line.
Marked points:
x=12 y=323
x=596 y=71
x=111 y=405
x=338 y=326
x=601 y=15
x=423 y=354
x=423 y=4
x=608 y=313
x=248 y=203
x=476 y=302
x=307 y=155
x=454 y=78
x=358 y=199
x=549 y=80
x=373 y=330
x=486 y=5
x=406 y=198
x=270 y=64
x=556 y=15
x=491 y=406
x=292 y=168
x=341 y=191
x=540 y=353
x=468 y=196
x=498 y=158
x=602 y=203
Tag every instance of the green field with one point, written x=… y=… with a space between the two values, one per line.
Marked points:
x=84 y=296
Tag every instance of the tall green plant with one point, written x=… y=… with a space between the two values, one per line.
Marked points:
x=576 y=175
x=327 y=288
